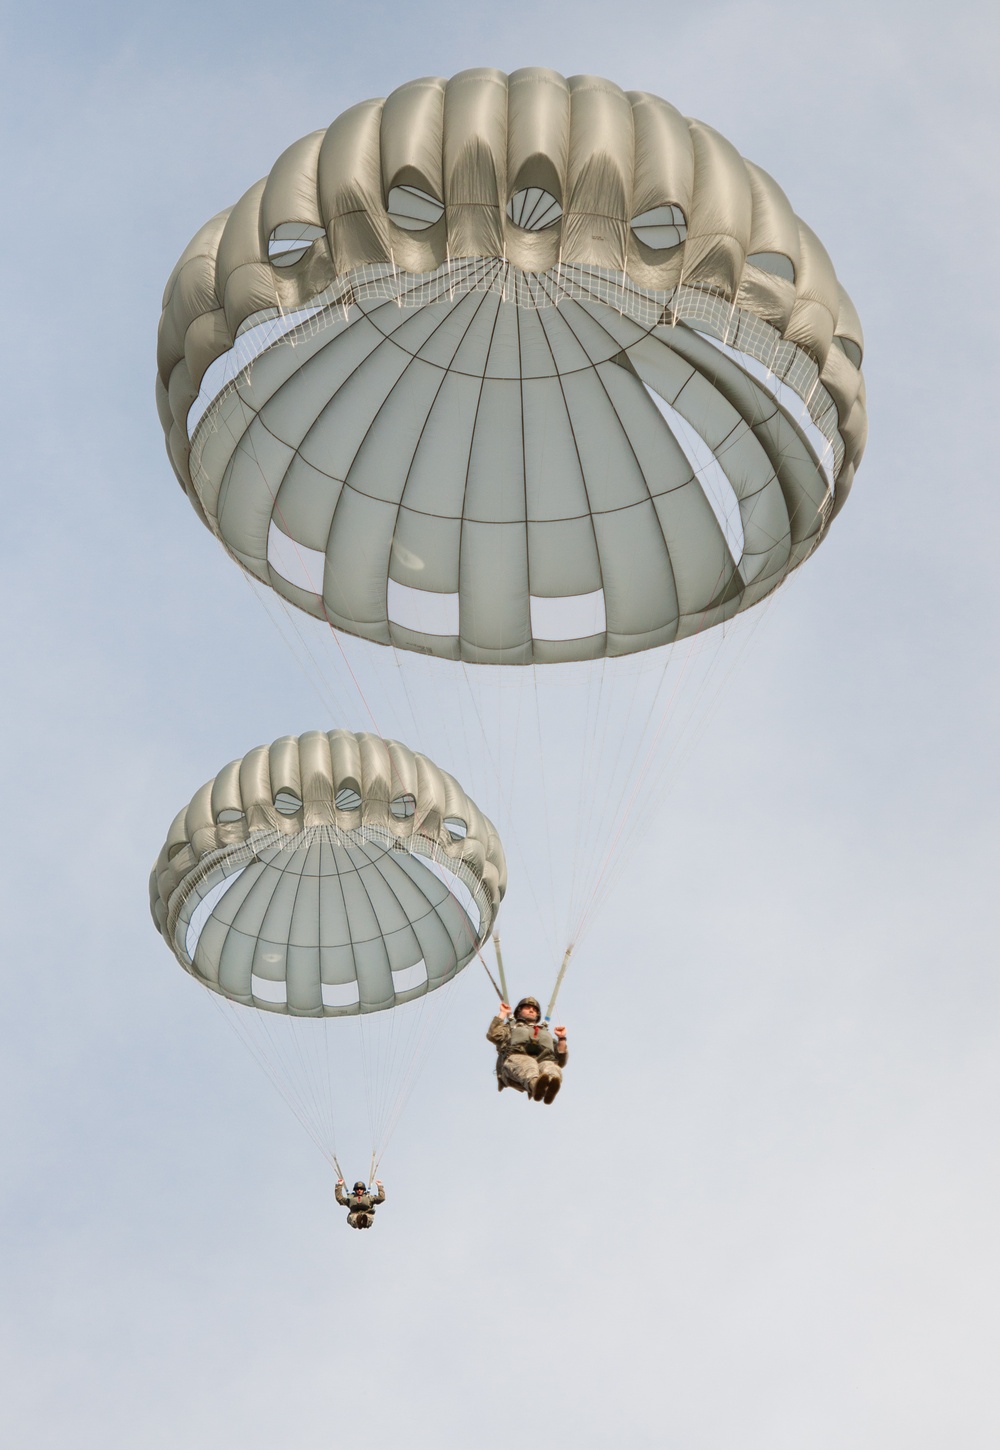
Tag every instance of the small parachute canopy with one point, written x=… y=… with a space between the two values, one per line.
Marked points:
x=328 y=875
x=513 y=369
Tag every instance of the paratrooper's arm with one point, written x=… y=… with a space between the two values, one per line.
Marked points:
x=498 y=1031
x=380 y=1196
x=561 y=1049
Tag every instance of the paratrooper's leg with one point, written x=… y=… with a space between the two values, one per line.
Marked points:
x=550 y=1081
x=521 y=1072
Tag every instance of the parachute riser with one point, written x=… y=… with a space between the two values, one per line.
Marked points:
x=371 y=1176
x=559 y=981
x=493 y=981
x=503 y=980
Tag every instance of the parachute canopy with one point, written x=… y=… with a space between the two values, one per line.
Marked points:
x=511 y=370
x=328 y=875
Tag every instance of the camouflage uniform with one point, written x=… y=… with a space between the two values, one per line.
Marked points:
x=529 y=1058
x=361 y=1205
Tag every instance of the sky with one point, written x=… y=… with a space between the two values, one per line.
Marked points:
x=762 y=1212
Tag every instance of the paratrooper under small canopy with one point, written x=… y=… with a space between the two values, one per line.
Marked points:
x=529 y=1058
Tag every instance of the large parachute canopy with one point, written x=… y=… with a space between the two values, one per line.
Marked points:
x=328 y=875
x=512 y=370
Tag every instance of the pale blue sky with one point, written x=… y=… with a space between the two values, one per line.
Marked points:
x=803 y=965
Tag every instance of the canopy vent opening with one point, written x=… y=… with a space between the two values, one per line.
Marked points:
x=268 y=991
x=413 y=210
x=457 y=888
x=661 y=228
x=774 y=262
x=849 y=348
x=533 y=209
x=290 y=242
x=407 y=978
x=340 y=994
x=296 y=563
x=572 y=616
x=709 y=472
x=204 y=909
x=422 y=610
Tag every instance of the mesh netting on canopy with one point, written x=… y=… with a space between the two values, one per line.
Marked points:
x=513 y=370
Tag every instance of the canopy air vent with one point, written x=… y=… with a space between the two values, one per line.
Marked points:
x=534 y=210
x=413 y=210
x=661 y=228
x=290 y=242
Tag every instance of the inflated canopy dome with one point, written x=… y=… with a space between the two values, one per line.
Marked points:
x=326 y=875
x=513 y=369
